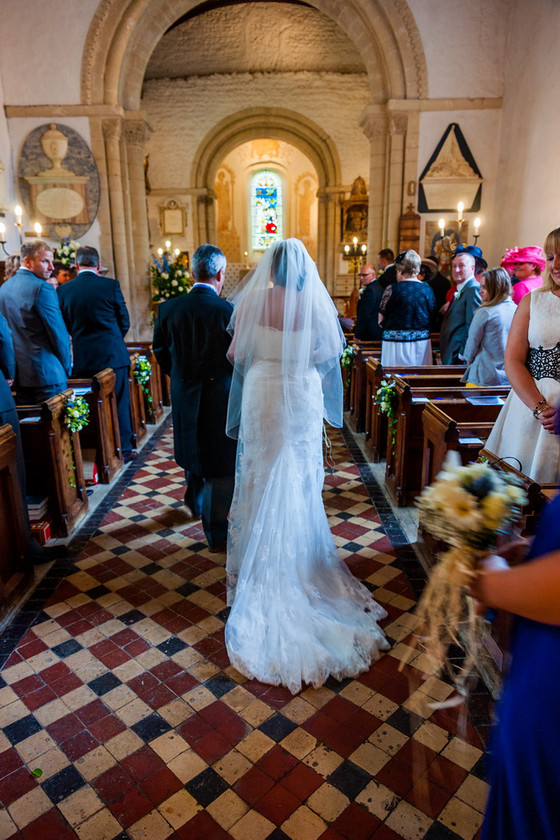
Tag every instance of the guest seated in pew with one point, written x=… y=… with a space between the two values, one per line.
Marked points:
x=41 y=342
x=97 y=319
x=8 y=414
x=489 y=329
x=526 y=427
x=405 y=313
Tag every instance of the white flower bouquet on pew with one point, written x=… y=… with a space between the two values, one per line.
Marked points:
x=467 y=507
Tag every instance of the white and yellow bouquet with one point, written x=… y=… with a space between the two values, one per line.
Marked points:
x=467 y=507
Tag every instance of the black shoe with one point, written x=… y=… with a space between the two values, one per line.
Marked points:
x=218 y=549
x=45 y=553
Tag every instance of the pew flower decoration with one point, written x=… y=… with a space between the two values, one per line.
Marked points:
x=76 y=413
x=386 y=399
x=66 y=252
x=346 y=361
x=170 y=276
x=142 y=373
x=466 y=507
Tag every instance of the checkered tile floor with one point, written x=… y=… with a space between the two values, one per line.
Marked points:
x=122 y=718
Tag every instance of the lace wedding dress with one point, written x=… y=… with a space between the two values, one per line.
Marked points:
x=298 y=614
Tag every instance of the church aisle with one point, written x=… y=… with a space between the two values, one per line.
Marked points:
x=121 y=717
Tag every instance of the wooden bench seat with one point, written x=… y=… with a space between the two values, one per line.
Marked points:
x=102 y=433
x=15 y=566
x=357 y=391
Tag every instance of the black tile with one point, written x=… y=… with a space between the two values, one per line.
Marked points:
x=138 y=518
x=103 y=684
x=21 y=729
x=3 y=682
x=120 y=549
x=337 y=685
x=151 y=569
x=122 y=836
x=131 y=617
x=277 y=727
x=206 y=787
x=277 y=834
x=97 y=592
x=349 y=779
x=151 y=727
x=405 y=722
x=439 y=831
x=62 y=784
x=187 y=588
x=220 y=685
x=171 y=646
x=198 y=546
x=67 y=648
x=354 y=547
x=480 y=769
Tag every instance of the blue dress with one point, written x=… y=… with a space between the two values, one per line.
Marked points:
x=524 y=762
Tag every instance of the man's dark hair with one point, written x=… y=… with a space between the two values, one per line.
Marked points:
x=207 y=261
x=31 y=249
x=387 y=254
x=87 y=256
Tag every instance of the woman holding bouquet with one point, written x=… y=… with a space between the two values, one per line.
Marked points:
x=524 y=768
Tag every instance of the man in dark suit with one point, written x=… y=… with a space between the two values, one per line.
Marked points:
x=457 y=319
x=41 y=342
x=367 y=326
x=97 y=319
x=190 y=343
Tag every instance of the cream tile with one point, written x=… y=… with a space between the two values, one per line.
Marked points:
x=187 y=765
x=252 y=826
x=419 y=703
x=36 y=745
x=227 y=809
x=176 y=712
x=432 y=736
x=298 y=710
x=80 y=805
x=380 y=707
x=132 y=712
x=119 y=697
x=46 y=627
x=128 y=670
x=462 y=753
x=101 y=826
x=15 y=711
x=151 y=658
x=408 y=822
x=239 y=698
x=232 y=766
x=7 y=825
x=303 y=824
x=199 y=697
x=111 y=627
x=94 y=763
x=4 y=743
x=255 y=745
x=27 y=808
x=387 y=738
x=323 y=760
x=397 y=631
x=256 y=713
x=212 y=624
x=328 y=802
x=357 y=693
x=50 y=712
x=42 y=660
x=49 y=762
x=317 y=696
x=79 y=697
x=299 y=743
x=191 y=636
x=461 y=818
x=203 y=670
x=378 y=799
x=169 y=745
x=370 y=757
x=57 y=637
x=435 y=688
x=179 y=808
x=8 y=696
x=91 y=637
x=474 y=792
x=151 y=827
x=124 y=744
x=188 y=657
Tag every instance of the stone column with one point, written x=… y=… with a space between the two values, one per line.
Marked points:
x=374 y=125
x=398 y=122
x=112 y=132
x=136 y=133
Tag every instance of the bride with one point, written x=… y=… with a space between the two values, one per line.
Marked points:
x=297 y=614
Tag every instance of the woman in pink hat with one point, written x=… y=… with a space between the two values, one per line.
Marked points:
x=528 y=265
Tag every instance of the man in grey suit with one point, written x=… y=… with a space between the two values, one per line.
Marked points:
x=41 y=341
x=457 y=319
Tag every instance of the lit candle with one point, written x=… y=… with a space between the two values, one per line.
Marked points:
x=364 y=249
x=441 y=224
x=2 y=231
x=347 y=249
x=38 y=228
x=176 y=252
x=355 y=241
x=246 y=256
x=160 y=252
x=167 y=244
x=19 y=212
x=460 y=208
x=476 y=225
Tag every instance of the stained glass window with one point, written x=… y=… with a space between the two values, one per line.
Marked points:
x=266 y=209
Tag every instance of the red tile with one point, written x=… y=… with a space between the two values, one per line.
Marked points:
x=106 y=728
x=158 y=696
x=32 y=648
x=181 y=683
x=92 y=712
x=235 y=730
x=138 y=647
x=113 y=784
x=201 y=827
x=9 y=761
x=143 y=763
x=38 y=698
x=253 y=785
x=373 y=678
x=277 y=696
x=277 y=762
x=74 y=748
x=416 y=754
x=130 y=807
x=66 y=685
x=55 y=673
x=396 y=690
x=302 y=781
x=212 y=747
x=277 y=804
x=386 y=833
x=160 y=785
x=194 y=728
x=81 y=625
x=428 y=798
x=331 y=834
x=64 y=728
x=446 y=774
x=143 y=683
x=208 y=646
x=165 y=670
x=15 y=785
x=216 y=714
x=397 y=776
x=49 y=826
x=355 y=823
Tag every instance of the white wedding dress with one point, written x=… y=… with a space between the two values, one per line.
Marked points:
x=298 y=615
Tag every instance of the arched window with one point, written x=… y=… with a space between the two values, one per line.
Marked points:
x=266 y=209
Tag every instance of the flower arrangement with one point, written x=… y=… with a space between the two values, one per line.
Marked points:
x=142 y=373
x=76 y=413
x=170 y=276
x=66 y=252
x=386 y=399
x=346 y=361
x=466 y=507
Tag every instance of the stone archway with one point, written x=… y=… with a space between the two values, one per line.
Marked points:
x=277 y=124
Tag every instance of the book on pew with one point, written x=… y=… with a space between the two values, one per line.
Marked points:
x=484 y=400
x=37 y=507
x=41 y=531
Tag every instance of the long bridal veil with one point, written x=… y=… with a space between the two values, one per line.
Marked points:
x=298 y=615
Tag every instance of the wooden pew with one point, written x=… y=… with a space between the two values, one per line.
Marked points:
x=357 y=405
x=137 y=406
x=375 y=421
x=154 y=409
x=404 y=469
x=458 y=425
x=53 y=462
x=102 y=433
x=15 y=566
